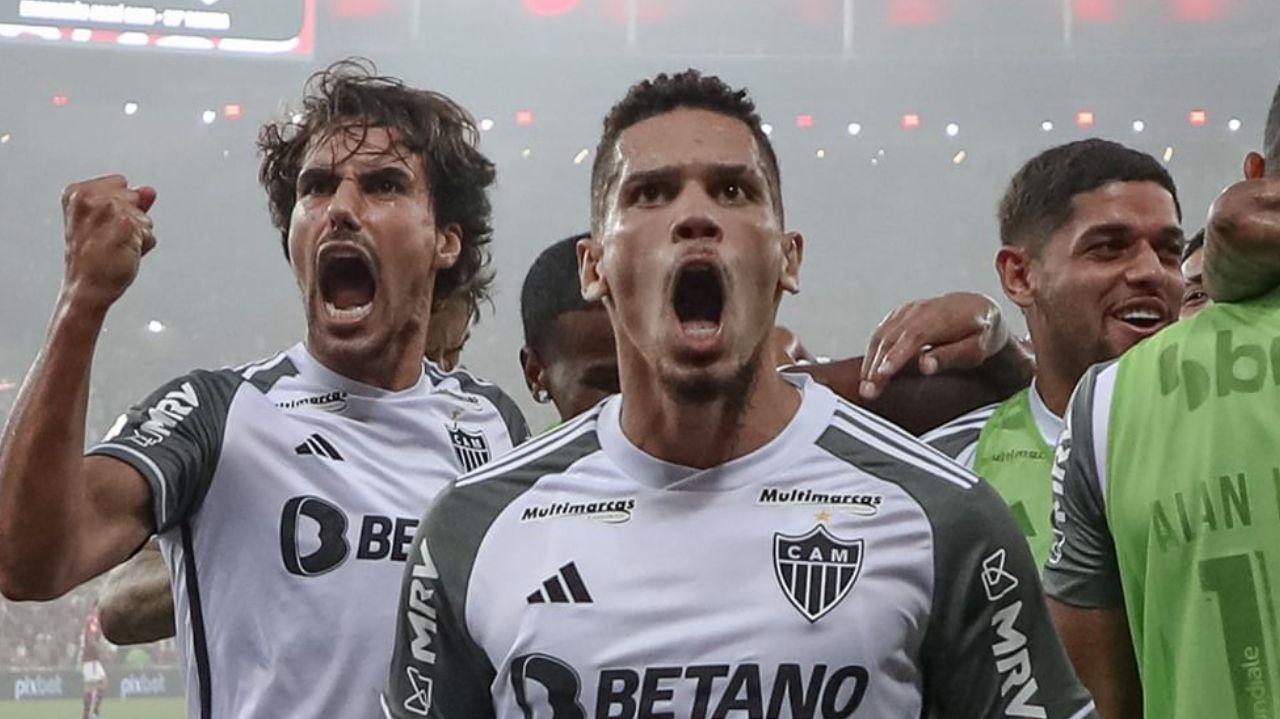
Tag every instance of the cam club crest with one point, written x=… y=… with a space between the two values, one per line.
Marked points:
x=471 y=447
x=816 y=570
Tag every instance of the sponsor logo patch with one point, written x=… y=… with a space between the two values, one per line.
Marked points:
x=328 y=402
x=611 y=511
x=862 y=505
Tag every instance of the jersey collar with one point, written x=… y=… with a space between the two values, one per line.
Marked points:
x=1049 y=424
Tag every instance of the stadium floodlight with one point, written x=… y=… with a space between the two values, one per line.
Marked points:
x=821 y=153
x=854 y=129
x=1168 y=154
x=155 y=327
x=959 y=157
x=1139 y=126
x=486 y=125
x=581 y=157
x=526 y=153
x=1047 y=126
x=952 y=129
x=1234 y=124
x=131 y=108
x=208 y=116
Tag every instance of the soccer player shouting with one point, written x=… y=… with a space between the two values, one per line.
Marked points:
x=283 y=492
x=720 y=539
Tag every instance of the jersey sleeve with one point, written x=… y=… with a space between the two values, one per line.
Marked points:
x=174 y=439
x=437 y=670
x=991 y=651
x=1082 y=569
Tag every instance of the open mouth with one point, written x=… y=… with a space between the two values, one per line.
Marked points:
x=698 y=299
x=347 y=283
x=1143 y=318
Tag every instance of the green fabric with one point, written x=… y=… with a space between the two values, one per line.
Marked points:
x=1014 y=459
x=1193 y=502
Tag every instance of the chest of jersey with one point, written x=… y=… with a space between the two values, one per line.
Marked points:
x=790 y=597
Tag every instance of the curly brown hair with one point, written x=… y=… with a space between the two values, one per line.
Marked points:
x=667 y=93
x=428 y=125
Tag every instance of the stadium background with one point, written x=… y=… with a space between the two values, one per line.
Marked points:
x=897 y=123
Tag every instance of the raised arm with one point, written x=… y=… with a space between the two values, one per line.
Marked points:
x=136 y=605
x=65 y=517
x=1242 y=241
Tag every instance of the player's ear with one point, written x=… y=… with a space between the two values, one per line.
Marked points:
x=534 y=374
x=1013 y=265
x=448 y=246
x=1254 y=166
x=792 y=258
x=594 y=285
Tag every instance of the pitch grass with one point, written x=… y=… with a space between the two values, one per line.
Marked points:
x=166 y=708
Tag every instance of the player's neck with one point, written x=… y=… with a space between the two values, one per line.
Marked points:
x=1054 y=384
x=392 y=369
x=705 y=434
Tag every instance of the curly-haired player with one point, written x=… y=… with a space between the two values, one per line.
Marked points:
x=284 y=492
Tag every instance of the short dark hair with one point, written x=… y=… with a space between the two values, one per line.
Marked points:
x=551 y=288
x=1271 y=137
x=428 y=125
x=1195 y=243
x=1038 y=200
x=667 y=93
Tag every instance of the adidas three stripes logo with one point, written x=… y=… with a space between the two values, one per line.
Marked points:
x=564 y=587
x=320 y=447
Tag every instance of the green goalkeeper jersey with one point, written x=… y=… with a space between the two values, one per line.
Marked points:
x=1011 y=446
x=1167 y=503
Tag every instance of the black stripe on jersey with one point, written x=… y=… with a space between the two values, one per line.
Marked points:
x=924 y=457
x=577 y=587
x=332 y=452
x=956 y=442
x=510 y=412
x=555 y=592
x=199 y=644
x=267 y=378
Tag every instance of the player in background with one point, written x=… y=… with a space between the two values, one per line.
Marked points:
x=1090 y=244
x=569 y=356
x=1166 y=507
x=92 y=647
x=720 y=538
x=277 y=487
x=1194 y=295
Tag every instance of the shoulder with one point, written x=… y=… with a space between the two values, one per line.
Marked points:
x=549 y=453
x=875 y=445
x=462 y=380
x=961 y=433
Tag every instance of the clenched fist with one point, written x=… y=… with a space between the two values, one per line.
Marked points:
x=107 y=232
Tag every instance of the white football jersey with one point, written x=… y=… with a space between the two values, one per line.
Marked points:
x=843 y=569
x=286 y=497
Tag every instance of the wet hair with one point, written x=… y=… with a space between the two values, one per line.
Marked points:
x=1039 y=198
x=551 y=288
x=1271 y=137
x=666 y=93
x=1195 y=243
x=348 y=96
